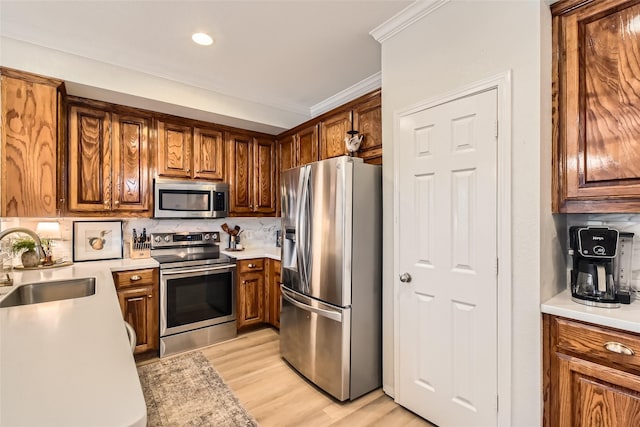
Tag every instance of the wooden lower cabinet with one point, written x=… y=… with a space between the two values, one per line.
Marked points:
x=250 y=309
x=138 y=296
x=591 y=374
x=272 y=297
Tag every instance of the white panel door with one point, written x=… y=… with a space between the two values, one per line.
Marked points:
x=446 y=347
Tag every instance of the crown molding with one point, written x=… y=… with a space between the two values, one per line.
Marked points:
x=405 y=18
x=349 y=94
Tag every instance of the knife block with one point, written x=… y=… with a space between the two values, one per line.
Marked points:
x=139 y=250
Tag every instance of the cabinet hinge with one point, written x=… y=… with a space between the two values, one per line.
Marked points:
x=496 y=129
x=497 y=402
x=497 y=266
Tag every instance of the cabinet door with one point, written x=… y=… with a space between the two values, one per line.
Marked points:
x=274 y=294
x=287 y=152
x=250 y=299
x=367 y=119
x=208 y=154
x=28 y=148
x=596 y=105
x=333 y=130
x=265 y=180
x=307 y=145
x=140 y=310
x=131 y=187
x=89 y=168
x=174 y=150
x=240 y=173
x=591 y=394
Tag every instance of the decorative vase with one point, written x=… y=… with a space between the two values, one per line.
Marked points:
x=30 y=258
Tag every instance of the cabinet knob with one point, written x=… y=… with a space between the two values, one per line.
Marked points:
x=196 y=171
x=150 y=296
x=251 y=266
x=619 y=348
x=135 y=278
x=117 y=203
x=188 y=169
x=244 y=282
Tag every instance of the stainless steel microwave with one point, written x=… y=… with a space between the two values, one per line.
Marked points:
x=190 y=199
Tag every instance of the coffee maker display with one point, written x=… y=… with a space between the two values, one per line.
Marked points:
x=594 y=276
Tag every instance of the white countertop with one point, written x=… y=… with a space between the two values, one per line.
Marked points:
x=272 y=252
x=627 y=317
x=69 y=363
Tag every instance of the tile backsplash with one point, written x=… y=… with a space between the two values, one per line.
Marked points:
x=255 y=232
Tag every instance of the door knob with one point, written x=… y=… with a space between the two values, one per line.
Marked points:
x=405 y=277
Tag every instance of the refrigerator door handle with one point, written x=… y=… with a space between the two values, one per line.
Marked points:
x=333 y=315
x=299 y=236
x=308 y=224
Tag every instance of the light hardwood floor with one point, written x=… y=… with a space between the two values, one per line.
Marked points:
x=278 y=396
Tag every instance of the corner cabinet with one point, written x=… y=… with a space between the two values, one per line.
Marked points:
x=591 y=374
x=138 y=296
x=193 y=152
x=30 y=106
x=253 y=180
x=108 y=167
x=251 y=292
x=596 y=105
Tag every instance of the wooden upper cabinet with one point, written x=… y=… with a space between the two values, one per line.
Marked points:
x=89 y=167
x=265 y=179
x=307 y=145
x=208 y=154
x=174 y=149
x=596 y=100
x=287 y=152
x=108 y=167
x=28 y=145
x=333 y=130
x=252 y=174
x=367 y=119
x=240 y=155
x=130 y=142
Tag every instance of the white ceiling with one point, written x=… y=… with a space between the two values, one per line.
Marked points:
x=287 y=55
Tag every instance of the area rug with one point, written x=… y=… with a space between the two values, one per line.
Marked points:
x=187 y=391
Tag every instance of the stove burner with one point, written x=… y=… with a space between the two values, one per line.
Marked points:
x=187 y=249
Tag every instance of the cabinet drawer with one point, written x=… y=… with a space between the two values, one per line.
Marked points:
x=591 y=342
x=250 y=265
x=133 y=278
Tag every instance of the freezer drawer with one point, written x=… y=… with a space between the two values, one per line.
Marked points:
x=315 y=340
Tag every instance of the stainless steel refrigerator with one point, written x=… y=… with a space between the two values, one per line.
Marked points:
x=331 y=320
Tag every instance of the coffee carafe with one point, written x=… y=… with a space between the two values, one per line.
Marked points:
x=592 y=277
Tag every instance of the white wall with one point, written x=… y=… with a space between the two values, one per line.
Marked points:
x=98 y=80
x=458 y=44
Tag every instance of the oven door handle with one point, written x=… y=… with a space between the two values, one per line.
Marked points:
x=177 y=271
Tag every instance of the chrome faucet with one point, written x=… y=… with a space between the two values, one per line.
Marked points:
x=32 y=234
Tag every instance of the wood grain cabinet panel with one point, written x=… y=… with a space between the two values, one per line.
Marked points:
x=333 y=130
x=586 y=384
x=29 y=145
x=89 y=168
x=174 y=149
x=272 y=296
x=251 y=291
x=108 y=167
x=287 y=152
x=367 y=119
x=596 y=100
x=208 y=154
x=307 y=144
x=252 y=174
x=138 y=296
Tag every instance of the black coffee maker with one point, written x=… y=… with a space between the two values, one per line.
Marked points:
x=592 y=276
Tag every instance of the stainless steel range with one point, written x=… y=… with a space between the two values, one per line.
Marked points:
x=197 y=290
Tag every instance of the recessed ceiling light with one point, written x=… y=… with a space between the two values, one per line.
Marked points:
x=202 y=38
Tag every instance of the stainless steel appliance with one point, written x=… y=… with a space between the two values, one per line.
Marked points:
x=197 y=290
x=594 y=277
x=330 y=322
x=190 y=199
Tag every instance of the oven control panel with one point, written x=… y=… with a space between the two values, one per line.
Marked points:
x=172 y=240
